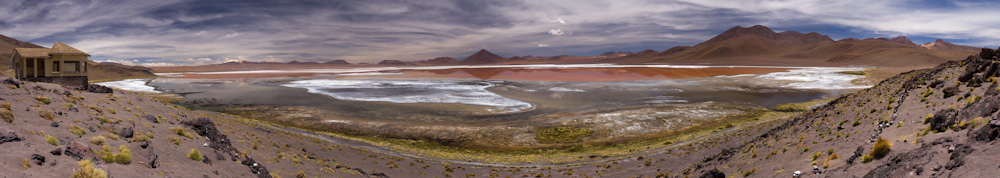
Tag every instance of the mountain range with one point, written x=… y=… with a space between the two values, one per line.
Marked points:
x=756 y=45
x=759 y=45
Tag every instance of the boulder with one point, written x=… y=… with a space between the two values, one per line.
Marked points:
x=12 y=81
x=9 y=136
x=151 y=118
x=56 y=152
x=80 y=151
x=154 y=160
x=714 y=173
x=37 y=159
x=205 y=127
x=126 y=133
x=93 y=88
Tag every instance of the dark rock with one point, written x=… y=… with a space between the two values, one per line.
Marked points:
x=80 y=151
x=126 y=133
x=857 y=153
x=206 y=160
x=919 y=170
x=93 y=88
x=144 y=144
x=91 y=129
x=949 y=91
x=957 y=158
x=12 y=81
x=57 y=151
x=218 y=156
x=9 y=136
x=986 y=133
x=943 y=119
x=54 y=124
x=899 y=164
x=256 y=168
x=714 y=173
x=206 y=128
x=154 y=160
x=73 y=109
x=27 y=109
x=37 y=159
x=380 y=175
x=151 y=118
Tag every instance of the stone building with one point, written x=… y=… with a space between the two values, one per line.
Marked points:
x=62 y=64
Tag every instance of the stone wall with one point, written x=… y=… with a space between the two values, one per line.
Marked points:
x=70 y=82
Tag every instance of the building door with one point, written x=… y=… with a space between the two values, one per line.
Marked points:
x=39 y=68
x=29 y=68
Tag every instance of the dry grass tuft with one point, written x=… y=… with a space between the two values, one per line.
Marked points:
x=88 y=170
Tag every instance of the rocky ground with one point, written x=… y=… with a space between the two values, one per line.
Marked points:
x=939 y=122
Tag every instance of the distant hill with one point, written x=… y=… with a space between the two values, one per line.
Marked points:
x=759 y=45
x=95 y=71
x=482 y=57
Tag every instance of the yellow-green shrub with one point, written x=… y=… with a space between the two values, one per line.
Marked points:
x=195 y=155
x=52 y=140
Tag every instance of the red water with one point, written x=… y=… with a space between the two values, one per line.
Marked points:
x=567 y=74
x=580 y=74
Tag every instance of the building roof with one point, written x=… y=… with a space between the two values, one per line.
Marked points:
x=33 y=52
x=63 y=49
x=57 y=49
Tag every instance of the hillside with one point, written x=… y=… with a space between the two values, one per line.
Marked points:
x=47 y=130
x=759 y=45
x=939 y=122
x=96 y=71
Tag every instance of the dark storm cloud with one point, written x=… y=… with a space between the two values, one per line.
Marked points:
x=186 y=32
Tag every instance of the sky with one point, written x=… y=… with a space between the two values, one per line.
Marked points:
x=198 y=32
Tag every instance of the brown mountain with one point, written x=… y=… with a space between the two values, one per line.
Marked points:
x=95 y=71
x=675 y=49
x=441 y=60
x=391 y=62
x=338 y=61
x=644 y=53
x=482 y=57
x=759 y=45
x=941 y=45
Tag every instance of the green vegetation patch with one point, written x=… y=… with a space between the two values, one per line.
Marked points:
x=854 y=73
x=798 y=107
x=561 y=134
x=43 y=99
x=195 y=155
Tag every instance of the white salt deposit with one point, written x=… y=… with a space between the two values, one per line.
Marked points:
x=817 y=78
x=561 y=89
x=414 y=91
x=136 y=85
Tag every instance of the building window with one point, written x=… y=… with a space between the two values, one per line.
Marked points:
x=55 y=67
x=72 y=66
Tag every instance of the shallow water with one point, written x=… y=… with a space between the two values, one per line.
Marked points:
x=499 y=93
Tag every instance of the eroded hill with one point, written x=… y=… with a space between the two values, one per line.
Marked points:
x=939 y=122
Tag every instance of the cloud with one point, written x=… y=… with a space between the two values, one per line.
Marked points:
x=559 y=32
x=172 y=32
